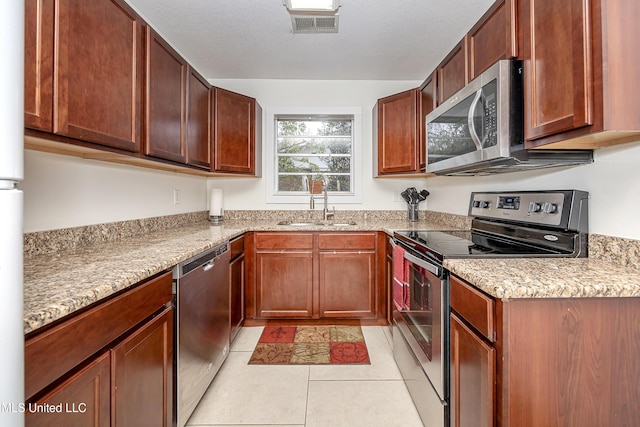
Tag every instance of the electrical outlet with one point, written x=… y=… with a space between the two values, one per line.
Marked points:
x=176 y=197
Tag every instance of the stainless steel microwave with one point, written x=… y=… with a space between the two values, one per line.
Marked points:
x=480 y=130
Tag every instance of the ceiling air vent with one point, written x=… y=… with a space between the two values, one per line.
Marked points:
x=314 y=24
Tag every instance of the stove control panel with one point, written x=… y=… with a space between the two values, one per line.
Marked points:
x=544 y=208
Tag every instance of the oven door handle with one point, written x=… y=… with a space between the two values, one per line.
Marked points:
x=422 y=263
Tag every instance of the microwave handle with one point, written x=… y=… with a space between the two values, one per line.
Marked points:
x=472 y=130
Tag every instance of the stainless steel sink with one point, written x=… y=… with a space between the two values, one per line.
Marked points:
x=299 y=223
x=316 y=223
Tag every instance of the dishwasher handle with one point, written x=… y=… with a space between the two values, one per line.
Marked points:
x=205 y=259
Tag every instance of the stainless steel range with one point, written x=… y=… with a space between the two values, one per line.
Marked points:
x=505 y=224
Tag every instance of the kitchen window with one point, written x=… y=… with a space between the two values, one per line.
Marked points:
x=311 y=149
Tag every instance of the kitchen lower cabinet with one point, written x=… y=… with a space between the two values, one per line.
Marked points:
x=84 y=399
x=318 y=275
x=540 y=362
x=237 y=267
x=111 y=364
x=142 y=375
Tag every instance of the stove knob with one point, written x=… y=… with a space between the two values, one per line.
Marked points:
x=484 y=204
x=534 y=207
x=548 y=207
x=476 y=203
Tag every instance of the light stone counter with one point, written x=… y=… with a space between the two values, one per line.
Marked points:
x=59 y=283
x=511 y=278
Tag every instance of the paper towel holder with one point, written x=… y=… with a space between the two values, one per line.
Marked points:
x=216 y=211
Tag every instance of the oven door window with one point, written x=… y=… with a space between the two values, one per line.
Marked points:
x=420 y=315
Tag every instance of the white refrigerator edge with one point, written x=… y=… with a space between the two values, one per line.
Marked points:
x=11 y=212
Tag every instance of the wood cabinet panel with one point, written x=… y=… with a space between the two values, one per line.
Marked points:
x=235 y=129
x=398 y=133
x=473 y=363
x=142 y=367
x=51 y=354
x=237 y=284
x=85 y=399
x=475 y=307
x=493 y=37
x=349 y=241
x=558 y=66
x=347 y=284
x=284 y=240
x=452 y=72
x=38 y=64
x=284 y=284
x=429 y=101
x=198 y=121
x=165 y=100
x=98 y=73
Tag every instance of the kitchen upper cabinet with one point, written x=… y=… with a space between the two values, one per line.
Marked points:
x=452 y=72
x=581 y=62
x=38 y=64
x=493 y=37
x=347 y=275
x=97 y=73
x=165 y=101
x=398 y=131
x=237 y=133
x=198 y=121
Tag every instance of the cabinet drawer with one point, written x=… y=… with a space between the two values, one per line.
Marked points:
x=284 y=241
x=348 y=241
x=237 y=247
x=475 y=307
x=56 y=351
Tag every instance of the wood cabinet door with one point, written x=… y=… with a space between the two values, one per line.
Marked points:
x=234 y=132
x=236 y=302
x=494 y=37
x=165 y=100
x=142 y=367
x=429 y=98
x=473 y=378
x=558 y=69
x=397 y=129
x=284 y=282
x=198 y=121
x=347 y=284
x=38 y=64
x=452 y=72
x=98 y=73
x=84 y=399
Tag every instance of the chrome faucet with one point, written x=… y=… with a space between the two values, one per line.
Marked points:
x=326 y=213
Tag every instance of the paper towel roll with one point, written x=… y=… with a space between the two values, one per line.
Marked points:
x=215 y=202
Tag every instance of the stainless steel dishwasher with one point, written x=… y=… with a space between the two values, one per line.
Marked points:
x=201 y=290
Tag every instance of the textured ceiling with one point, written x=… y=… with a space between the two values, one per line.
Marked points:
x=252 y=39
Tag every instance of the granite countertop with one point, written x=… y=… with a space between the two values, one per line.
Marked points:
x=56 y=285
x=511 y=278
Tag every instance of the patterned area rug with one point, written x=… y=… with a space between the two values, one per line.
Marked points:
x=311 y=345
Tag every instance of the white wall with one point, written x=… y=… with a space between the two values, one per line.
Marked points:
x=613 y=182
x=244 y=193
x=61 y=192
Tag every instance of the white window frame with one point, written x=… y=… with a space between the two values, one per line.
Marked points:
x=271 y=113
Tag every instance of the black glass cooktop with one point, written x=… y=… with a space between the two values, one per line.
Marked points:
x=466 y=244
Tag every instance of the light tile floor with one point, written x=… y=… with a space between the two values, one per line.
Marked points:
x=310 y=396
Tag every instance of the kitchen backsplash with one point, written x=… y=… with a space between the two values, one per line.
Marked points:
x=617 y=250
